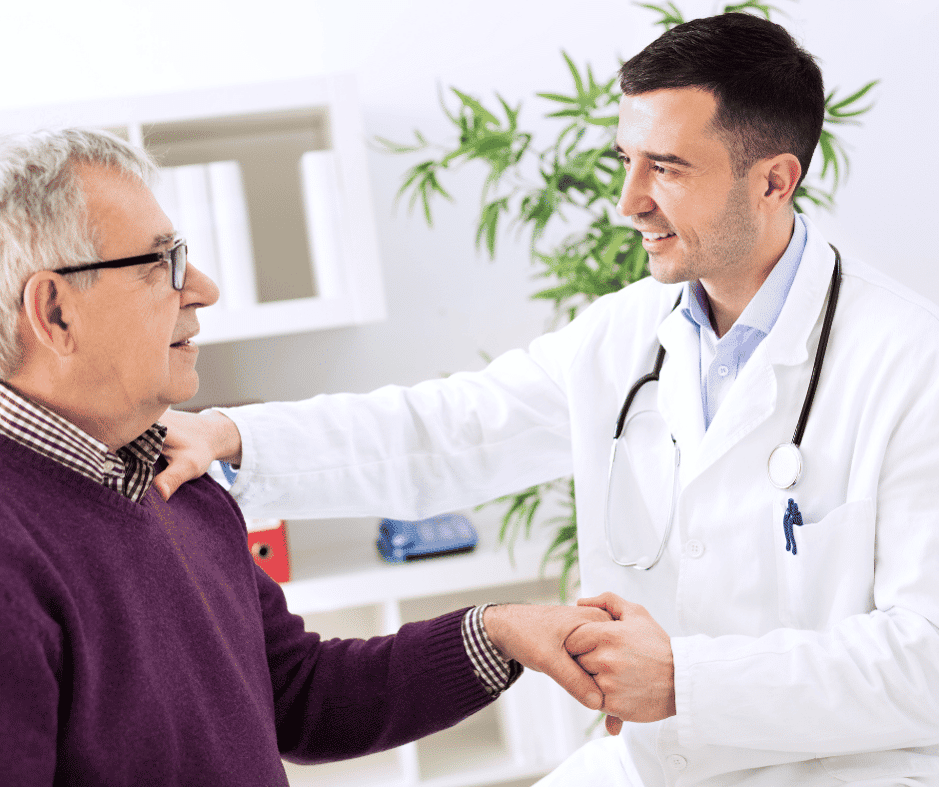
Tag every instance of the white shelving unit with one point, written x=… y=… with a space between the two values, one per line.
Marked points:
x=343 y=588
x=307 y=276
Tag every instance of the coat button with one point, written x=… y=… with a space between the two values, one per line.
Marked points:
x=677 y=762
x=694 y=548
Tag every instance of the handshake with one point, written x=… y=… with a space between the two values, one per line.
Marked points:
x=607 y=653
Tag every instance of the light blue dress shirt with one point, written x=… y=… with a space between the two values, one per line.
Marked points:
x=723 y=358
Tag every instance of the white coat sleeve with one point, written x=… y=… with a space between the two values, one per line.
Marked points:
x=871 y=681
x=413 y=452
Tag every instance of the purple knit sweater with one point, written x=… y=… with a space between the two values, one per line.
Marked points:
x=140 y=645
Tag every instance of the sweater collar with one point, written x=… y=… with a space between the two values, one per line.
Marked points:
x=128 y=471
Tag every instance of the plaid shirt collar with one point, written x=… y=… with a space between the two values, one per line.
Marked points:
x=127 y=471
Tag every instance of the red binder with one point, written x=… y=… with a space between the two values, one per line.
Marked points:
x=267 y=540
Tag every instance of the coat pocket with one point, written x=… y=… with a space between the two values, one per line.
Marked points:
x=830 y=575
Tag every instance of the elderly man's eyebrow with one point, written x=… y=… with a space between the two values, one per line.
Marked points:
x=163 y=240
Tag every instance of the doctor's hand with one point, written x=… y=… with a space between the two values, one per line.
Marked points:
x=193 y=441
x=535 y=636
x=630 y=658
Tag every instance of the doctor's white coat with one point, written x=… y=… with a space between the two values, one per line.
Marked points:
x=815 y=668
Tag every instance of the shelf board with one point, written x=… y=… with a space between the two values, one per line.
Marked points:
x=446 y=574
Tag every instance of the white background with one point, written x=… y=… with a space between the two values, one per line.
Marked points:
x=446 y=302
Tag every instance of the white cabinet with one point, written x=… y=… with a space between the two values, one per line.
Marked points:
x=291 y=220
x=344 y=589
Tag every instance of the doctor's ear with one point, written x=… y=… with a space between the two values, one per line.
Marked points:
x=780 y=177
x=47 y=307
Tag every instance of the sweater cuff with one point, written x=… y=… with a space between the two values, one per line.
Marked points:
x=447 y=659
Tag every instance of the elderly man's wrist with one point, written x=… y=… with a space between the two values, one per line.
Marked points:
x=494 y=624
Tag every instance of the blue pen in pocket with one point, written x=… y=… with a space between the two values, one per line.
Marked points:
x=791 y=519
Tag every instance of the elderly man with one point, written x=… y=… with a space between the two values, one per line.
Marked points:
x=139 y=643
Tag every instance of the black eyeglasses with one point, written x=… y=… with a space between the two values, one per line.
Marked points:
x=176 y=257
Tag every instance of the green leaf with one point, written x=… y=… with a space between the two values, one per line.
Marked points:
x=489 y=223
x=670 y=14
x=578 y=82
x=834 y=109
x=558 y=97
x=473 y=104
x=763 y=8
x=397 y=147
x=611 y=120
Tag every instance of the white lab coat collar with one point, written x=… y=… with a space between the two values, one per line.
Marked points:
x=787 y=344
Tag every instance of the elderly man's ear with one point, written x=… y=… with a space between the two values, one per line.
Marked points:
x=48 y=307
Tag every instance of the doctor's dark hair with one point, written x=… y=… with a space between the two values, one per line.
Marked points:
x=769 y=90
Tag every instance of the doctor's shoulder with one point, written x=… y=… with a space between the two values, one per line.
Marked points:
x=635 y=310
x=641 y=306
x=882 y=309
x=612 y=325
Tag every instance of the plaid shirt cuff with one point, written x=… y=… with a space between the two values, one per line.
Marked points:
x=494 y=672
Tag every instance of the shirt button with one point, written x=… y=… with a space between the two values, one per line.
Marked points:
x=694 y=548
x=109 y=466
x=722 y=370
x=677 y=762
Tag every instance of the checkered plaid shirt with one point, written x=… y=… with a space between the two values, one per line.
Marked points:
x=128 y=471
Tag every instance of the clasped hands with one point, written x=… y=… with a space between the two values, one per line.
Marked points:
x=607 y=653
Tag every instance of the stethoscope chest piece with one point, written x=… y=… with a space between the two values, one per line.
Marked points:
x=785 y=465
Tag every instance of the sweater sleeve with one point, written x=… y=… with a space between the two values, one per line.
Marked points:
x=341 y=698
x=30 y=663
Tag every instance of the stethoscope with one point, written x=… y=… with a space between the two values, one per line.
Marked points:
x=785 y=464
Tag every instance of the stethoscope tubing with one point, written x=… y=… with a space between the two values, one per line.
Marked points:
x=793 y=446
x=834 y=290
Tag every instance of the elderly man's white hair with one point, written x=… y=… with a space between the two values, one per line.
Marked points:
x=43 y=224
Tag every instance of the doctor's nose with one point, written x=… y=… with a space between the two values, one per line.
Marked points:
x=634 y=198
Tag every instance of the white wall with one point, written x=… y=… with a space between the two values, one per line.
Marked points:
x=446 y=303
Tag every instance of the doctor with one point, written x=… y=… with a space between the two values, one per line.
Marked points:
x=772 y=642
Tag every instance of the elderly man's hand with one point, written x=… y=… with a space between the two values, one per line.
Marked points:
x=535 y=636
x=193 y=442
x=630 y=658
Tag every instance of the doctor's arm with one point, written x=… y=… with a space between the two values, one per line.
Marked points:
x=403 y=452
x=438 y=446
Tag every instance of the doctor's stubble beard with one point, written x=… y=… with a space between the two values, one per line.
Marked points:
x=731 y=238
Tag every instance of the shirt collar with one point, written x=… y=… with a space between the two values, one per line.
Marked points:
x=46 y=432
x=763 y=309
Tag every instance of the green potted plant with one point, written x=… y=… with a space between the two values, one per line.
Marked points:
x=575 y=179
